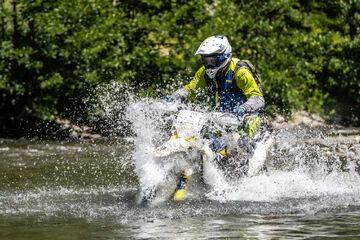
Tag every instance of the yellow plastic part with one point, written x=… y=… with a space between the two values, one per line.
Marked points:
x=192 y=139
x=205 y=153
x=223 y=152
x=252 y=124
x=180 y=193
x=174 y=137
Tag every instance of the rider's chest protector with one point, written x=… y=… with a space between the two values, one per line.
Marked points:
x=224 y=93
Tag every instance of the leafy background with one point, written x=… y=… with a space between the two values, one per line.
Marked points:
x=55 y=53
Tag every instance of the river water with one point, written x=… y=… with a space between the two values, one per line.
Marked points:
x=88 y=190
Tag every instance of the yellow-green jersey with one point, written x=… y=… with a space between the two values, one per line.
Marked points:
x=237 y=87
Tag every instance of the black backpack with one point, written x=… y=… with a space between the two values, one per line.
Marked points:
x=252 y=69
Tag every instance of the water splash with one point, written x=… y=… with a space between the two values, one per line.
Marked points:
x=308 y=171
x=298 y=167
x=150 y=126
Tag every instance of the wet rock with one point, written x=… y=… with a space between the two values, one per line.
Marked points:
x=299 y=118
x=74 y=134
x=86 y=128
x=347 y=147
x=77 y=128
x=356 y=149
x=67 y=129
x=335 y=139
x=90 y=136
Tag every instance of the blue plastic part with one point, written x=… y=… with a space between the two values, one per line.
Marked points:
x=168 y=99
x=240 y=111
x=217 y=144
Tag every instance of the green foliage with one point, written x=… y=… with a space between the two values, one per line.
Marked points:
x=54 y=53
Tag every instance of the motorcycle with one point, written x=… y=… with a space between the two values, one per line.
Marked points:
x=190 y=151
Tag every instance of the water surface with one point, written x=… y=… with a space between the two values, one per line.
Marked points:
x=88 y=190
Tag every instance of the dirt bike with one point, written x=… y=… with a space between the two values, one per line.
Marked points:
x=189 y=151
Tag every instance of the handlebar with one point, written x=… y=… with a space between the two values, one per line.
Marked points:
x=162 y=105
x=223 y=118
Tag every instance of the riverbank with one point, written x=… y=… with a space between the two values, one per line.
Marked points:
x=58 y=128
x=301 y=118
x=340 y=141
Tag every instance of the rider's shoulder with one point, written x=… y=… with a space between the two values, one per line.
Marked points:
x=201 y=69
x=243 y=72
x=200 y=72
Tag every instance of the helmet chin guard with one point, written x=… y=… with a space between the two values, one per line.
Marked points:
x=211 y=72
x=215 y=46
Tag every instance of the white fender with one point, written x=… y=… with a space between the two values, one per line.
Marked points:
x=257 y=161
x=173 y=146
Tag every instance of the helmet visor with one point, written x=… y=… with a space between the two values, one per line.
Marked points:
x=210 y=61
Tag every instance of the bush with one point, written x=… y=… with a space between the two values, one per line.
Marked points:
x=54 y=53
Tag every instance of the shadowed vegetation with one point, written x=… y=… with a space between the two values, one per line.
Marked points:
x=53 y=54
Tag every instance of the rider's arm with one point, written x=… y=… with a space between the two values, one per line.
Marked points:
x=246 y=82
x=191 y=88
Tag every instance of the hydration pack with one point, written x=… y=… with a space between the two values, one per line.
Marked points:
x=252 y=69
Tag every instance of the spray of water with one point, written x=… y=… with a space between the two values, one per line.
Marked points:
x=308 y=170
x=297 y=166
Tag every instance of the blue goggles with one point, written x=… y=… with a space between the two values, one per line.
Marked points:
x=212 y=61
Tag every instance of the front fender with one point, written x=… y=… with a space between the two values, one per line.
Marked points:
x=174 y=146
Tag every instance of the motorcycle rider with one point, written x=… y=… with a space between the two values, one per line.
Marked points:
x=231 y=85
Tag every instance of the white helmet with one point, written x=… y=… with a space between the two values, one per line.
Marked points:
x=215 y=54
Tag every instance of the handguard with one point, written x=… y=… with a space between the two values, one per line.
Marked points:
x=240 y=112
x=168 y=98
